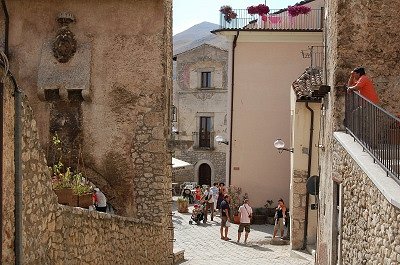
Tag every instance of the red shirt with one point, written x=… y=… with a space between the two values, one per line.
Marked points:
x=366 y=88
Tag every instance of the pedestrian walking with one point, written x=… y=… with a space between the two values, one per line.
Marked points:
x=225 y=217
x=214 y=190
x=280 y=215
x=245 y=213
x=209 y=201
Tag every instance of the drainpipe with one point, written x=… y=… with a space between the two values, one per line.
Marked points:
x=2 y=130
x=17 y=146
x=232 y=88
x=310 y=144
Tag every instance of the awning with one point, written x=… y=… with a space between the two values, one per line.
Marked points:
x=176 y=163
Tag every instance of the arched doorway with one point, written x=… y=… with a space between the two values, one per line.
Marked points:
x=205 y=174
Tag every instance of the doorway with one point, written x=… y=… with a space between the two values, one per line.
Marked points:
x=205 y=174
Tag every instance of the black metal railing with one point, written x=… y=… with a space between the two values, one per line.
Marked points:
x=376 y=130
x=274 y=21
x=203 y=140
x=316 y=54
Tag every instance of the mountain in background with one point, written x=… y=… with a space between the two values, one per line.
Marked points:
x=197 y=35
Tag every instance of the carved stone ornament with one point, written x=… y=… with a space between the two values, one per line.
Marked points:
x=64 y=45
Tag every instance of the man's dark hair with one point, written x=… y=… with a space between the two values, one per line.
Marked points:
x=359 y=70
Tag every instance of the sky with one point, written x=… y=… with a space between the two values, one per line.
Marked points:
x=188 y=13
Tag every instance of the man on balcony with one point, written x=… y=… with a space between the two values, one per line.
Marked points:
x=358 y=81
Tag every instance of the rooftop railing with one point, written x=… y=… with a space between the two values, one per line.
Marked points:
x=376 y=130
x=275 y=20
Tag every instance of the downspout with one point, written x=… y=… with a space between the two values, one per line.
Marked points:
x=310 y=145
x=232 y=88
x=17 y=146
x=2 y=128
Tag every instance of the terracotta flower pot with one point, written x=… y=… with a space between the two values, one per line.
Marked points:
x=85 y=200
x=66 y=197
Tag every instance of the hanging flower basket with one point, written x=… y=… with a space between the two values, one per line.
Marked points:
x=294 y=11
x=228 y=13
x=261 y=9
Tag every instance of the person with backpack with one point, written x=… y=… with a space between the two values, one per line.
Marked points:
x=209 y=201
x=245 y=213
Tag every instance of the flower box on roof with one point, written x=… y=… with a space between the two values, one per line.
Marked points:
x=294 y=11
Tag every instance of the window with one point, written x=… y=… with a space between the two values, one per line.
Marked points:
x=173 y=114
x=205 y=79
x=205 y=132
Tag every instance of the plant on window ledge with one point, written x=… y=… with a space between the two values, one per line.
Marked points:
x=261 y=9
x=294 y=11
x=229 y=14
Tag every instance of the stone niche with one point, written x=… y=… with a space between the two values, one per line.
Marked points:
x=64 y=81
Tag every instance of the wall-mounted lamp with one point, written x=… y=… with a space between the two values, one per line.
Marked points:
x=280 y=145
x=221 y=140
x=174 y=129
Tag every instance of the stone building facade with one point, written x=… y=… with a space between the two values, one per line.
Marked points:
x=57 y=234
x=357 y=33
x=109 y=102
x=200 y=100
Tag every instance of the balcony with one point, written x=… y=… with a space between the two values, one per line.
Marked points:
x=203 y=141
x=376 y=130
x=276 y=20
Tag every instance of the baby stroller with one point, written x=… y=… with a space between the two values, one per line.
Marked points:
x=197 y=214
x=187 y=194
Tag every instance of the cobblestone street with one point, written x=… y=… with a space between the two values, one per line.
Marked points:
x=202 y=244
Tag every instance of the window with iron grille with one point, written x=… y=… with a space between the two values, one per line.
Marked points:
x=205 y=79
x=173 y=114
x=205 y=132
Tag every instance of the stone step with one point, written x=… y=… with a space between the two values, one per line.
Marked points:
x=179 y=256
x=279 y=242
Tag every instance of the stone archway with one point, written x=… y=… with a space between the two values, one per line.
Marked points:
x=201 y=165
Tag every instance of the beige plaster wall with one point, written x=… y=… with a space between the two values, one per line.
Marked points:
x=125 y=123
x=301 y=120
x=265 y=67
x=358 y=33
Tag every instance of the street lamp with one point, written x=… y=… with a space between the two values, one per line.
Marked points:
x=280 y=145
x=221 y=140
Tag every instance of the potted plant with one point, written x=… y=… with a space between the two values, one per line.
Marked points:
x=270 y=211
x=260 y=9
x=82 y=188
x=294 y=11
x=228 y=13
x=183 y=205
x=234 y=192
x=259 y=216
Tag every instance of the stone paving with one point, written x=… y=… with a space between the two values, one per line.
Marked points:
x=202 y=244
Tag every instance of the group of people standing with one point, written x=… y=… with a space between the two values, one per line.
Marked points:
x=217 y=198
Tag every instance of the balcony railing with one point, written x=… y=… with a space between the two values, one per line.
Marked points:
x=376 y=130
x=275 y=20
x=203 y=140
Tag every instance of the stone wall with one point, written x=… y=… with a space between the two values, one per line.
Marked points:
x=83 y=237
x=298 y=205
x=110 y=101
x=358 y=33
x=216 y=159
x=8 y=175
x=370 y=224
